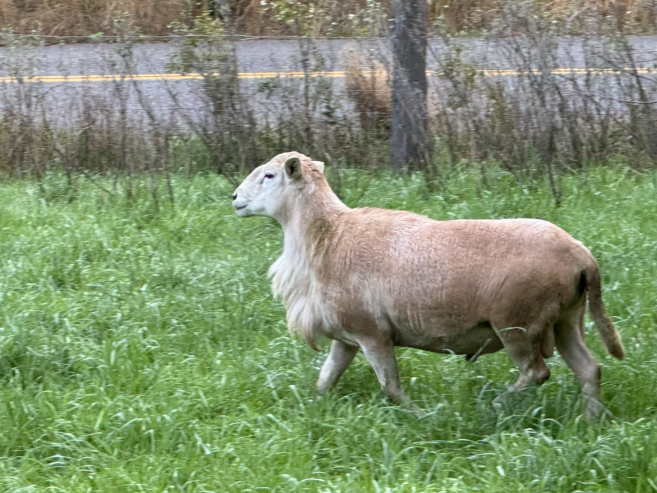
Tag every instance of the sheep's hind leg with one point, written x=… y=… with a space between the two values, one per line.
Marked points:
x=572 y=348
x=527 y=357
x=338 y=360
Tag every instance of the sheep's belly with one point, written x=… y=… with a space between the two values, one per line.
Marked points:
x=479 y=339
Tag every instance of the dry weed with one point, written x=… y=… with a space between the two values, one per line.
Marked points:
x=85 y=17
x=368 y=88
x=316 y=17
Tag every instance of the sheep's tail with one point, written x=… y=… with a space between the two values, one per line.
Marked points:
x=606 y=329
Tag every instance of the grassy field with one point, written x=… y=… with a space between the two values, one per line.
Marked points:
x=140 y=350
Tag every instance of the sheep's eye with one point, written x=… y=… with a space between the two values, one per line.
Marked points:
x=269 y=175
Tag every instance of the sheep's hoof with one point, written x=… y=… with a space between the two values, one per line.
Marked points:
x=419 y=413
x=509 y=399
x=595 y=411
x=498 y=405
x=501 y=399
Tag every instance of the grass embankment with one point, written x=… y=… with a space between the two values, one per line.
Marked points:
x=140 y=350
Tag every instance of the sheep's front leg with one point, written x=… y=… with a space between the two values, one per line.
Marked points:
x=339 y=358
x=381 y=355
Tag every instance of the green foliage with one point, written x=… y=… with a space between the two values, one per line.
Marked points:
x=327 y=17
x=202 y=48
x=140 y=350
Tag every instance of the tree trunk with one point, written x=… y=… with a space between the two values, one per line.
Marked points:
x=410 y=146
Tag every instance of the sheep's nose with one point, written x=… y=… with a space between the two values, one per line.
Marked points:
x=235 y=196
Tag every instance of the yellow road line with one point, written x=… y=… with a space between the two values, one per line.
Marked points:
x=156 y=77
x=267 y=75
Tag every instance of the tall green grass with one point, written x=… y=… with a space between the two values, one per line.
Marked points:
x=140 y=350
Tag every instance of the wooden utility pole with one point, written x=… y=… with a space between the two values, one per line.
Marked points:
x=410 y=145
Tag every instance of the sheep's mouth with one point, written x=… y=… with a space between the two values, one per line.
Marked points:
x=240 y=208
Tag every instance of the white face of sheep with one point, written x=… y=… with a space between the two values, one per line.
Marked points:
x=266 y=191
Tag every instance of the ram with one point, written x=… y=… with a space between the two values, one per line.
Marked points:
x=375 y=279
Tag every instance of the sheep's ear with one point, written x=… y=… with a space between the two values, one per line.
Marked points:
x=320 y=165
x=293 y=168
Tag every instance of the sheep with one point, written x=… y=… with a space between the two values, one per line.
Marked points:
x=375 y=279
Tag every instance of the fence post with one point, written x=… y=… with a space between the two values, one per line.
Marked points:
x=410 y=145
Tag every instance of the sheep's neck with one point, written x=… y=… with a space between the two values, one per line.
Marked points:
x=294 y=274
x=312 y=216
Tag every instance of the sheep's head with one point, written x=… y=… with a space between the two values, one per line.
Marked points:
x=271 y=188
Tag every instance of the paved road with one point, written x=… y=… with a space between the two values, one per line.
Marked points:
x=254 y=56
x=286 y=55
